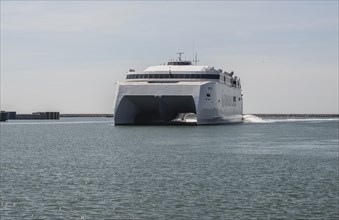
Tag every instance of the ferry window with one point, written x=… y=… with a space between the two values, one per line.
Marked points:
x=187 y=76
x=161 y=76
x=151 y=76
x=239 y=99
x=211 y=76
x=166 y=76
x=234 y=99
x=208 y=95
x=156 y=76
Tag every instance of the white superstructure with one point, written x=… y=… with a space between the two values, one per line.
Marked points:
x=178 y=92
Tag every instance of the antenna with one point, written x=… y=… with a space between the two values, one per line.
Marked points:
x=193 y=53
x=180 y=53
x=196 y=59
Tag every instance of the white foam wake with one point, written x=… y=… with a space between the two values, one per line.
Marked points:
x=253 y=119
x=256 y=119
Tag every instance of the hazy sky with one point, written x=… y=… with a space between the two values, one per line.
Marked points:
x=66 y=56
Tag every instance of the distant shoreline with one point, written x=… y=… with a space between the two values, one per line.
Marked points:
x=258 y=115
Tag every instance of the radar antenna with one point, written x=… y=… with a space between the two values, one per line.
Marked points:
x=180 y=53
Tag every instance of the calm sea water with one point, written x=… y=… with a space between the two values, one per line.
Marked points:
x=86 y=168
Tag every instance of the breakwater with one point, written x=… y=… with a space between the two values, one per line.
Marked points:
x=38 y=115
x=296 y=115
x=56 y=115
x=35 y=115
x=87 y=115
x=258 y=115
x=3 y=116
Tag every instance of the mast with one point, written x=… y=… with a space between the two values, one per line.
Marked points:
x=195 y=60
x=193 y=54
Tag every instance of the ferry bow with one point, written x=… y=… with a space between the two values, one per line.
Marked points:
x=179 y=93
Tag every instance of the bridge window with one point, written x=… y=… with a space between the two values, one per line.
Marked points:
x=173 y=76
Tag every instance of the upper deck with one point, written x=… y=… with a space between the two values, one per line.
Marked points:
x=184 y=71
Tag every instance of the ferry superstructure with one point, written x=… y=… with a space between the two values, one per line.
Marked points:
x=179 y=93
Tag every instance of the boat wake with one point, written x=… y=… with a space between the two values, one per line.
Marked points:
x=256 y=119
x=252 y=119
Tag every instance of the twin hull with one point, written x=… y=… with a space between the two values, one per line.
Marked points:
x=162 y=103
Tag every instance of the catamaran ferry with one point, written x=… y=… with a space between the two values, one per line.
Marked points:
x=179 y=93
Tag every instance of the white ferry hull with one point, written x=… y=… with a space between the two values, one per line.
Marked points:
x=143 y=102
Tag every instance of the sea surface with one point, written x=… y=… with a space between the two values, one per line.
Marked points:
x=86 y=168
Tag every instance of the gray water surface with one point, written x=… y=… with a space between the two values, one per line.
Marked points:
x=86 y=168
